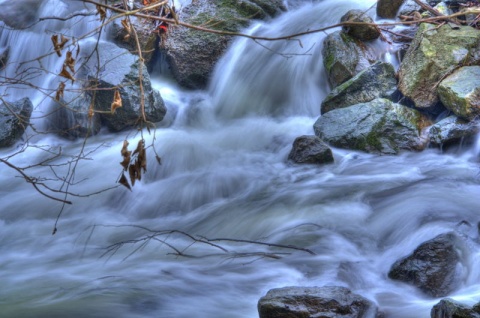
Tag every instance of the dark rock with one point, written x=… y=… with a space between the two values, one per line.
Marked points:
x=4 y=54
x=20 y=14
x=344 y=57
x=360 y=32
x=376 y=81
x=193 y=54
x=310 y=149
x=453 y=130
x=448 y=308
x=14 y=119
x=379 y=126
x=433 y=267
x=388 y=8
x=310 y=302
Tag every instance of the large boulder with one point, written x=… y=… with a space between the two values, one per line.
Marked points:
x=434 y=267
x=20 y=14
x=310 y=302
x=344 y=57
x=453 y=131
x=388 y=8
x=460 y=92
x=449 y=308
x=379 y=126
x=376 y=81
x=310 y=149
x=362 y=32
x=119 y=71
x=193 y=54
x=435 y=52
x=14 y=119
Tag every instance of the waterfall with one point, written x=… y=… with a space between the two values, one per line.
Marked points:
x=224 y=174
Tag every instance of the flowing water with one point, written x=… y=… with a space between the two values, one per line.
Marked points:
x=224 y=175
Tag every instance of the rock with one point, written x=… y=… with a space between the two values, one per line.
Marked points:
x=20 y=14
x=360 y=32
x=433 y=53
x=4 y=54
x=410 y=6
x=376 y=81
x=310 y=149
x=452 y=131
x=433 y=267
x=12 y=126
x=344 y=57
x=460 y=92
x=443 y=8
x=192 y=54
x=119 y=71
x=69 y=117
x=379 y=126
x=310 y=302
x=388 y=8
x=448 y=308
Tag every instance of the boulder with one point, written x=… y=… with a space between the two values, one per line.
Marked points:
x=388 y=8
x=20 y=14
x=409 y=7
x=453 y=131
x=434 y=266
x=379 y=126
x=193 y=54
x=119 y=70
x=449 y=308
x=376 y=81
x=360 y=32
x=310 y=149
x=460 y=92
x=344 y=57
x=434 y=52
x=310 y=302
x=14 y=119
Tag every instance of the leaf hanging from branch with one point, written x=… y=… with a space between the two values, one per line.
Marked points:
x=66 y=74
x=128 y=29
x=101 y=11
x=126 y=154
x=117 y=102
x=70 y=62
x=123 y=181
x=60 y=91
x=58 y=46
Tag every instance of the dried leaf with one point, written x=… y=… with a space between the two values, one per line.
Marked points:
x=133 y=172
x=142 y=160
x=123 y=181
x=60 y=91
x=58 y=47
x=66 y=74
x=101 y=11
x=159 y=160
x=70 y=61
x=126 y=25
x=126 y=154
x=117 y=102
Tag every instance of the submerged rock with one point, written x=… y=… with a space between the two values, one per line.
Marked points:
x=310 y=149
x=379 y=126
x=310 y=302
x=460 y=92
x=14 y=119
x=434 y=266
x=449 y=308
x=361 y=32
x=453 y=130
x=376 y=81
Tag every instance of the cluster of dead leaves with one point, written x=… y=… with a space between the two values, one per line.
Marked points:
x=135 y=163
x=68 y=67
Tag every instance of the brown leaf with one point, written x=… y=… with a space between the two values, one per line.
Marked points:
x=70 y=61
x=126 y=25
x=66 y=74
x=142 y=160
x=123 y=181
x=126 y=154
x=58 y=47
x=117 y=102
x=101 y=11
x=133 y=172
x=60 y=91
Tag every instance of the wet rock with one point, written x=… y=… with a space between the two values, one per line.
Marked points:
x=433 y=53
x=376 y=81
x=448 y=308
x=410 y=6
x=119 y=70
x=453 y=131
x=4 y=54
x=434 y=266
x=20 y=14
x=310 y=149
x=344 y=57
x=460 y=92
x=388 y=8
x=192 y=54
x=14 y=119
x=379 y=126
x=310 y=302
x=360 y=32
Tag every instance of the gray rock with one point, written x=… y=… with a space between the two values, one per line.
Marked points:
x=119 y=70
x=14 y=119
x=433 y=53
x=310 y=149
x=379 y=126
x=433 y=267
x=310 y=302
x=460 y=92
x=453 y=130
x=4 y=55
x=449 y=308
x=360 y=32
x=20 y=14
x=344 y=57
x=388 y=8
x=376 y=81
x=193 y=54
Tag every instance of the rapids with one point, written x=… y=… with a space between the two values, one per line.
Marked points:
x=224 y=175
